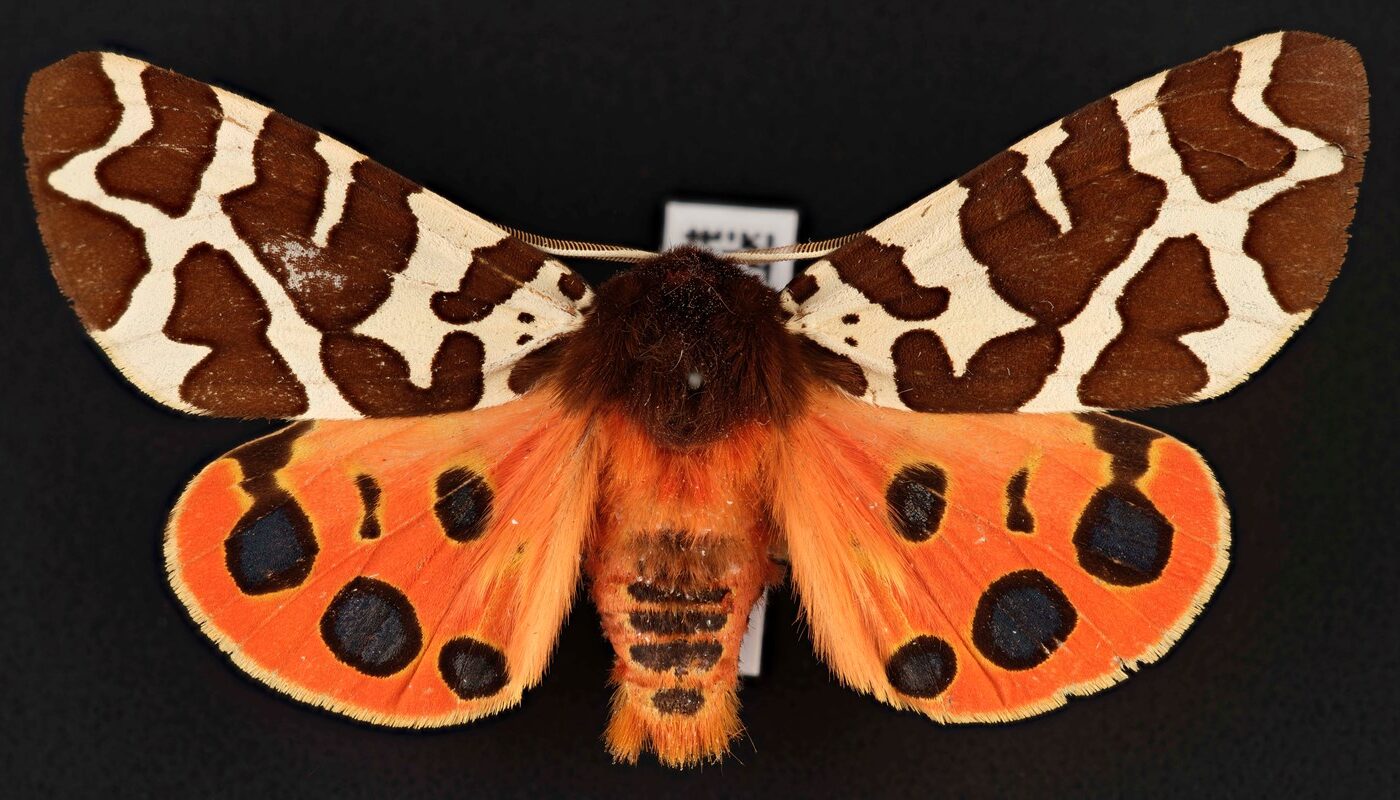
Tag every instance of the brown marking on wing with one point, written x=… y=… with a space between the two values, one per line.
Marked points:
x=1002 y=376
x=164 y=167
x=1147 y=364
x=339 y=286
x=1039 y=270
x=1127 y=444
x=218 y=307
x=878 y=271
x=493 y=275
x=572 y=286
x=802 y=288
x=1221 y=151
x=374 y=378
x=1300 y=237
x=97 y=257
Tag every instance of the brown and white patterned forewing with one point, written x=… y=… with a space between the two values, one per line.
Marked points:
x=234 y=262
x=1155 y=247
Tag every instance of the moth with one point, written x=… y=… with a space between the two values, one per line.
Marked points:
x=915 y=426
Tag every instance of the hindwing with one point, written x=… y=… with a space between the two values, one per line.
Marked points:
x=985 y=567
x=404 y=572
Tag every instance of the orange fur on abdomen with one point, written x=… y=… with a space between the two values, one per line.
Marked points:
x=680 y=557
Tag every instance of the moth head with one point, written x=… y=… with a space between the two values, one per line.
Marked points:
x=688 y=344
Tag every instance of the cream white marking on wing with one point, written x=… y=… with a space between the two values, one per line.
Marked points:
x=1037 y=149
x=406 y=321
x=1257 y=57
x=339 y=162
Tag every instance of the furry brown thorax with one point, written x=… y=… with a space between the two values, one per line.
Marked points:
x=690 y=346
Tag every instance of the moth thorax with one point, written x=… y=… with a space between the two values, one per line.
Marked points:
x=690 y=346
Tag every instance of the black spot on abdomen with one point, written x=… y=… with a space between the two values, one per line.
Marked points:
x=463 y=505
x=678 y=656
x=685 y=702
x=1021 y=620
x=650 y=593
x=1122 y=538
x=472 y=668
x=371 y=626
x=923 y=667
x=271 y=548
x=671 y=623
x=915 y=501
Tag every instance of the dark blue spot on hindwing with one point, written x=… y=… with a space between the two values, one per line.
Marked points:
x=271 y=548
x=472 y=668
x=922 y=667
x=1022 y=619
x=463 y=505
x=372 y=627
x=915 y=500
x=1122 y=538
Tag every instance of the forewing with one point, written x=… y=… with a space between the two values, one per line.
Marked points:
x=233 y=262
x=1155 y=247
x=985 y=567
x=404 y=572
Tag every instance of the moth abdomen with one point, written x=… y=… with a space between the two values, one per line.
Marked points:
x=675 y=606
x=677 y=562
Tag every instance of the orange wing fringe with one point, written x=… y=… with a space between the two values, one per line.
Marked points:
x=984 y=568
x=407 y=572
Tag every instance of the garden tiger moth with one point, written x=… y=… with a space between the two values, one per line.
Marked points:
x=915 y=424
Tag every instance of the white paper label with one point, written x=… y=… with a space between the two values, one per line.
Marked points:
x=751 y=649
x=720 y=227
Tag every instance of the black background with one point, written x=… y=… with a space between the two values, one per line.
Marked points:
x=578 y=120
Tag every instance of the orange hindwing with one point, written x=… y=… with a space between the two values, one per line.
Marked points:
x=986 y=567
x=408 y=572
